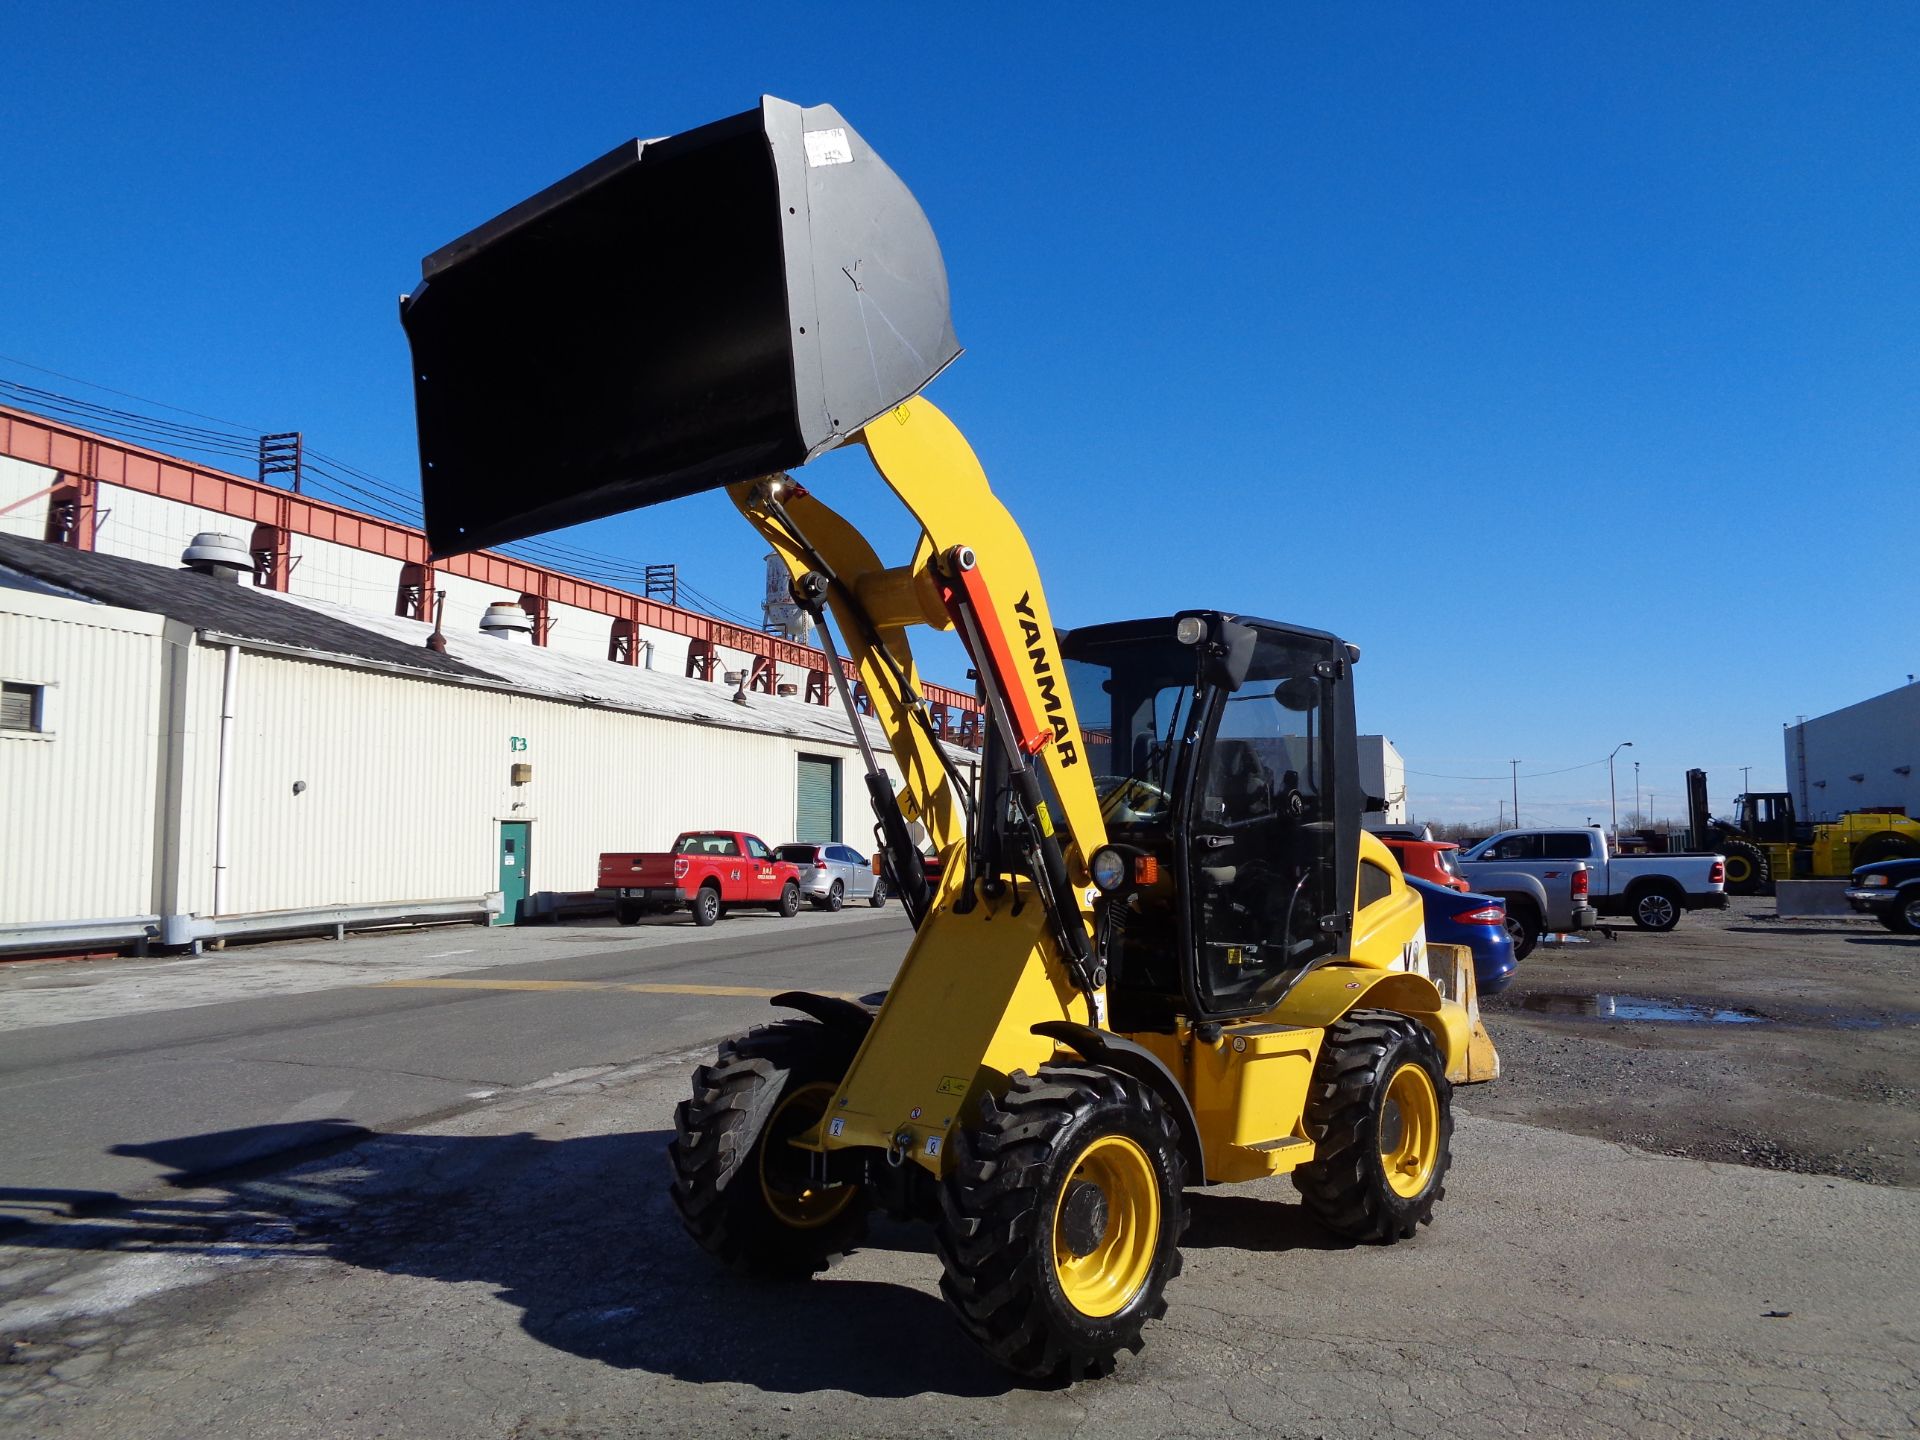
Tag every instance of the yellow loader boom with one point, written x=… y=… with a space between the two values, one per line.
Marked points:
x=1161 y=952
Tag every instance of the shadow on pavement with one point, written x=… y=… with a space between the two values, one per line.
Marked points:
x=578 y=1234
x=1245 y=1222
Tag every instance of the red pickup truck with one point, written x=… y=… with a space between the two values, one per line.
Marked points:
x=706 y=871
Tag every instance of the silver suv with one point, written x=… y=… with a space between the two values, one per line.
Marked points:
x=831 y=875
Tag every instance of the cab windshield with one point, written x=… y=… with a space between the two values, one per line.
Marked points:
x=1135 y=699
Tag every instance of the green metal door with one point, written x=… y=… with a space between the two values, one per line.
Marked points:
x=516 y=850
x=816 y=806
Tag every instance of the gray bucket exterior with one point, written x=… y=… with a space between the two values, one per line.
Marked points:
x=681 y=314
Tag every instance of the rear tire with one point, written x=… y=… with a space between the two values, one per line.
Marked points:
x=1887 y=845
x=837 y=896
x=879 y=896
x=1061 y=1220
x=628 y=912
x=1749 y=871
x=746 y=1203
x=1381 y=1114
x=706 y=906
x=1523 y=928
x=789 y=905
x=1658 y=907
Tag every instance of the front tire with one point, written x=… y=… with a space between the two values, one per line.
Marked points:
x=1904 y=918
x=706 y=906
x=743 y=1193
x=1658 y=908
x=1749 y=870
x=1380 y=1111
x=628 y=912
x=1060 y=1221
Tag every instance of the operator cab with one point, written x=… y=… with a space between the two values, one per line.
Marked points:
x=1223 y=752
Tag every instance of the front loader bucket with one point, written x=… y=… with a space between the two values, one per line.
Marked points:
x=679 y=315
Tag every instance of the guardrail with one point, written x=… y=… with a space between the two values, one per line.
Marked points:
x=192 y=932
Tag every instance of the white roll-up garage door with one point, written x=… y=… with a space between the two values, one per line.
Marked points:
x=816 y=802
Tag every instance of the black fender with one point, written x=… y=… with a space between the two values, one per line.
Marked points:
x=1124 y=1057
x=844 y=1017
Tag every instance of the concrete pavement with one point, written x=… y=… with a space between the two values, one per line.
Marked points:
x=475 y=1240
x=516 y=1271
x=113 y=1077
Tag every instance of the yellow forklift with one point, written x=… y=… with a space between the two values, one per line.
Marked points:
x=1765 y=842
x=1160 y=951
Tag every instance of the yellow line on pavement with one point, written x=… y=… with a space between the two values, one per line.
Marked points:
x=563 y=985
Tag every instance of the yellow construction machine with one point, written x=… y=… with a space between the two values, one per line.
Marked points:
x=1161 y=951
x=1765 y=843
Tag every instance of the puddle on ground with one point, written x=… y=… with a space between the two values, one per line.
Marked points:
x=1635 y=1007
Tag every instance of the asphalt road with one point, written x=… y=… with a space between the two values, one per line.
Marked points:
x=512 y=1267
x=115 y=1074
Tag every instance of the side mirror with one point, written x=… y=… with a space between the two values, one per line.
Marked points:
x=1227 y=655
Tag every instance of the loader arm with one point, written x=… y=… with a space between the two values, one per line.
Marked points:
x=995 y=954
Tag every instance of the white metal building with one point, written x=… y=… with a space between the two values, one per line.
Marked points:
x=1383 y=774
x=1860 y=758
x=180 y=748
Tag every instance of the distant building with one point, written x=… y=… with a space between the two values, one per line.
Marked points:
x=1859 y=758
x=1383 y=776
x=186 y=756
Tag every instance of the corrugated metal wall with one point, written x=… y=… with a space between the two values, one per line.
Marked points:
x=403 y=781
x=406 y=781
x=80 y=801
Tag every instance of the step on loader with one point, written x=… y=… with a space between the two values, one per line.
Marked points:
x=1160 y=951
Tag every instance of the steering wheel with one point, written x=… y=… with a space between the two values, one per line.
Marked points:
x=1132 y=800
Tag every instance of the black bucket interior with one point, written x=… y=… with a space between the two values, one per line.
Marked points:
x=626 y=346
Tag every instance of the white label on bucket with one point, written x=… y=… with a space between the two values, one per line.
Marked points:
x=828 y=147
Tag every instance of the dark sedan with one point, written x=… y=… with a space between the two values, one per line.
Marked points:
x=1888 y=890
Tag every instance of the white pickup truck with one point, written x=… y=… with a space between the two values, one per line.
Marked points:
x=1655 y=890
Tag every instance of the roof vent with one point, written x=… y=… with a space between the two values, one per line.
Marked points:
x=505 y=620
x=212 y=553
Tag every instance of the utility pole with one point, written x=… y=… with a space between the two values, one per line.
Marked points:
x=1516 y=792
x=1612 y=801
x=1636 y=793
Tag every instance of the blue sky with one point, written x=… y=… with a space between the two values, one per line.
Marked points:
x=1565 y=358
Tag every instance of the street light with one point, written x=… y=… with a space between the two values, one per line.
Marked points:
x=1614 y=802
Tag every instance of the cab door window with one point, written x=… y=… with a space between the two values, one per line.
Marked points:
x=1261 y=852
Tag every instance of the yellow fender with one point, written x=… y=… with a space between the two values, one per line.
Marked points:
x=1327 y=994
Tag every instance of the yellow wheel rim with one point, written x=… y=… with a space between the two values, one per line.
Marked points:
x=785 y=1180
x=1410 y=1130
x=1738 y=870
x=1106 y=1226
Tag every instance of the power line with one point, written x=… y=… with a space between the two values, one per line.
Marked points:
x=326 y=474
x=1525 y=775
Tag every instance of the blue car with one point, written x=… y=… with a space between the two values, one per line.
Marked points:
x=1479 y=922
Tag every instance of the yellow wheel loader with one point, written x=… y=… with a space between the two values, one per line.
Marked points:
x=1161 y=951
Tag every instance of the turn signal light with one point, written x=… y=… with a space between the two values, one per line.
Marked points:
x=1580 y=884
x=1717 y=875
x=1146 y=870
x=1485 y=915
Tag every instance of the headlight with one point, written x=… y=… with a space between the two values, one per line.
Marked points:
x=1109 y=869
x=1190 y=630
x=1873 y=880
